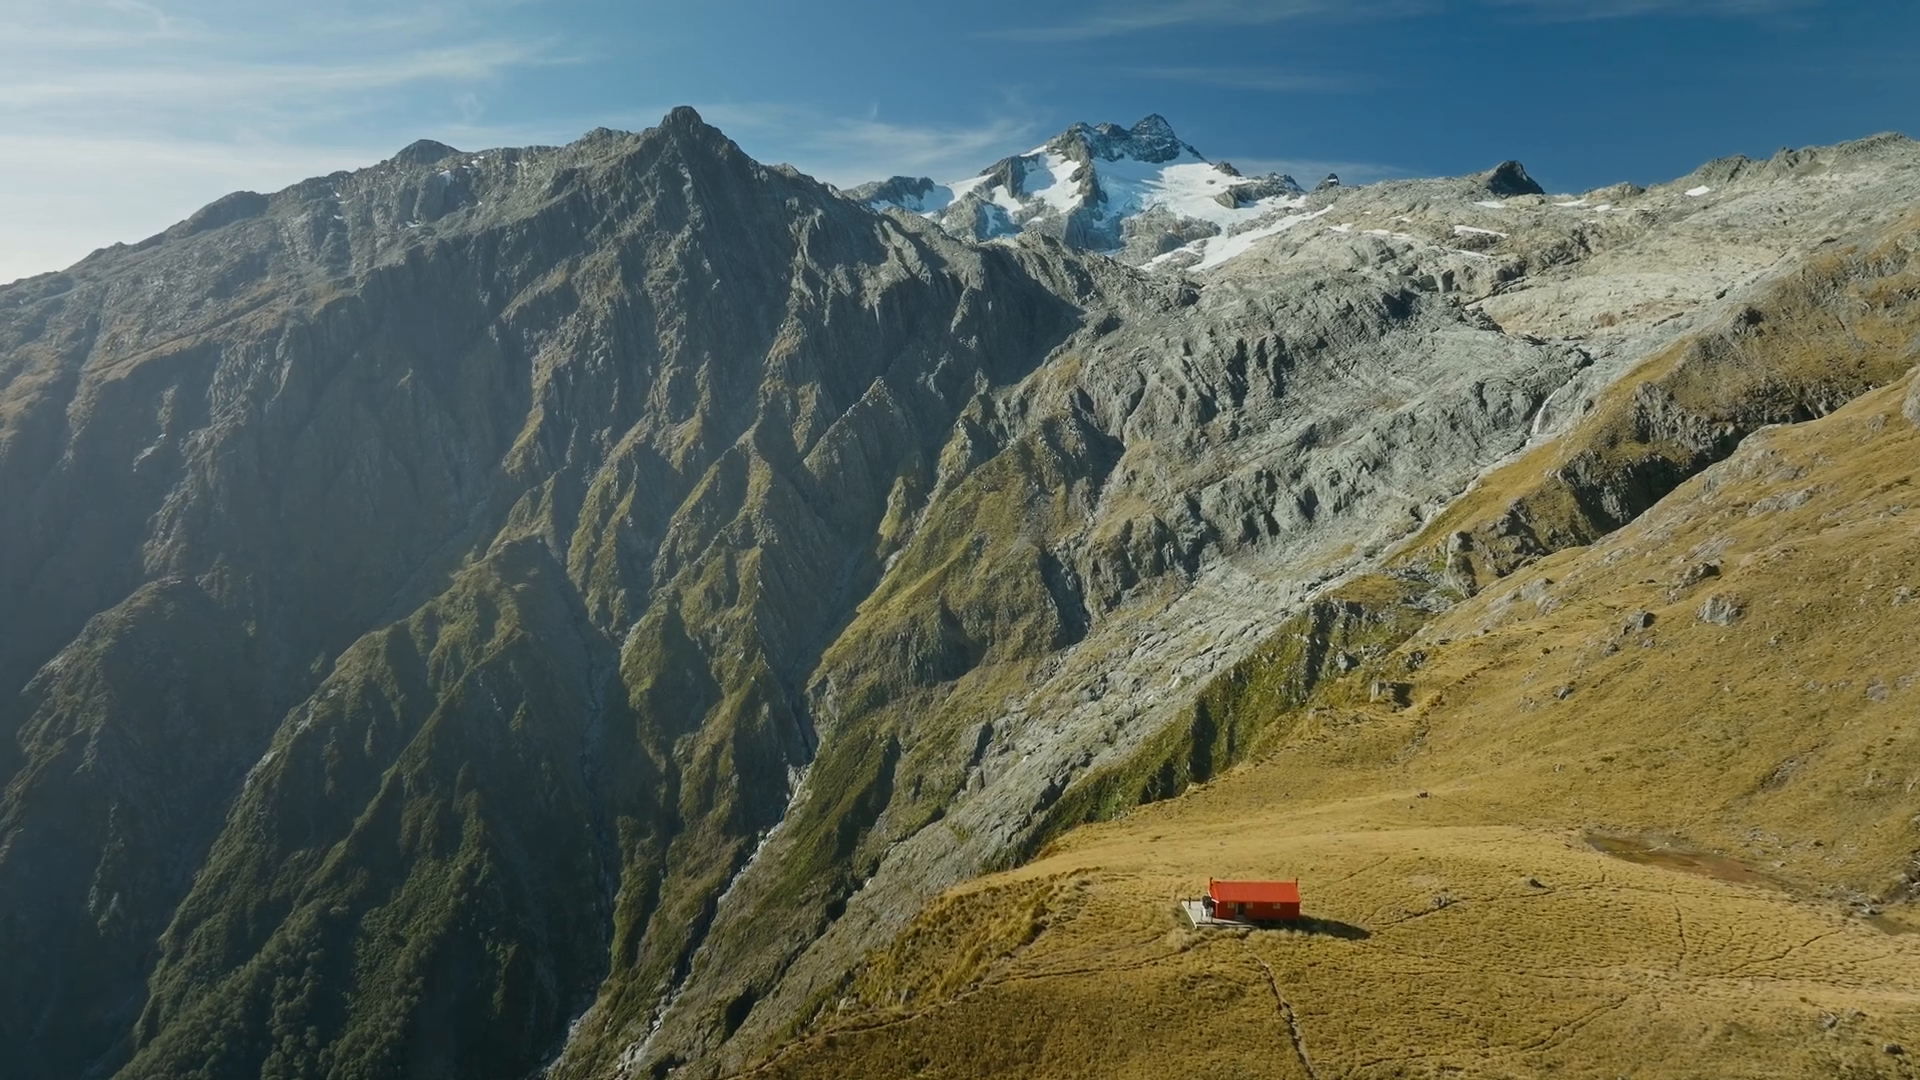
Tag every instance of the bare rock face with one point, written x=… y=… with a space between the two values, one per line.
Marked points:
x=557 y=609
x=1911 y=407
x=1721 y=609
x=1509 y=179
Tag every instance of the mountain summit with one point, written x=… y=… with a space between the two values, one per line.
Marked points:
x=1135 y=193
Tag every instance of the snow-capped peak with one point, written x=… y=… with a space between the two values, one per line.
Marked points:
x=1134 y=193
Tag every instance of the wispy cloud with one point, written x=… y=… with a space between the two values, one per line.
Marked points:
x=1587 y=10
x=255 y=85
x=1118 y=20
x=64 y=194
x=1263 y=80
x=134 y=55
x=849 y=150
x=198 y=97
x=1110 y=21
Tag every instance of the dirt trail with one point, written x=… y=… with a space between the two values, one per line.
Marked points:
x=1286 y=1013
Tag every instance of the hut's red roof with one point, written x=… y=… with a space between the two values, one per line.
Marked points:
x=1254 y=892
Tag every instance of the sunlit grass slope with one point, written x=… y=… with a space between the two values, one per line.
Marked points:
x=1650 y=812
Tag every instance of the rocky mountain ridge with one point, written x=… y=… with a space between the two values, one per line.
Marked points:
x=558 y=610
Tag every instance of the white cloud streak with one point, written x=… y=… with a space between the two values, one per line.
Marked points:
x=850 y=150
x=1261 y=80
x=61 y=196
x=1109 y=21
x=268 y=86
x=1119 y=20
x=118 y=117
x=1590 y=10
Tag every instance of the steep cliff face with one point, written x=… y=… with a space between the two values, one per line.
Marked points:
x=690 y=381
x=135 y=737
x=559 y=609
x=411 y=878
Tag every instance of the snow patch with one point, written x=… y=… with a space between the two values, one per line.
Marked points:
x=1468 y=230
x=1060 y=194
x=1694 y=193
x=932 y=201
x=1187 y=188
x=962 y=188
x=1222 y=249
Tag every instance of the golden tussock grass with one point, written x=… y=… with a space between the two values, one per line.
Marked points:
x=1752 y=775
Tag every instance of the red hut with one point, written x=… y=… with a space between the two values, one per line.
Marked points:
x=1254 y=901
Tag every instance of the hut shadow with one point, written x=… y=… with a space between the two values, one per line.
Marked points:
x=1316 y=927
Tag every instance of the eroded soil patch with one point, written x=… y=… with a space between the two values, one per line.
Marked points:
x=1664 y=854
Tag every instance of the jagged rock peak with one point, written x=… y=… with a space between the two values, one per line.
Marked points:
x=684 y=124
x=684 y=117
x=1332 y=181
x=906 y=191
x=1886 y=141
x=425 y=152
x=1509 y=178
x=239 y=206
x=1152 y=140
x=1792 y=162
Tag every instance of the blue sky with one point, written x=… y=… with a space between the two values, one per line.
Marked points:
x=118 y=117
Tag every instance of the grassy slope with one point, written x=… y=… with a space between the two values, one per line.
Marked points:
x=1478 y=931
